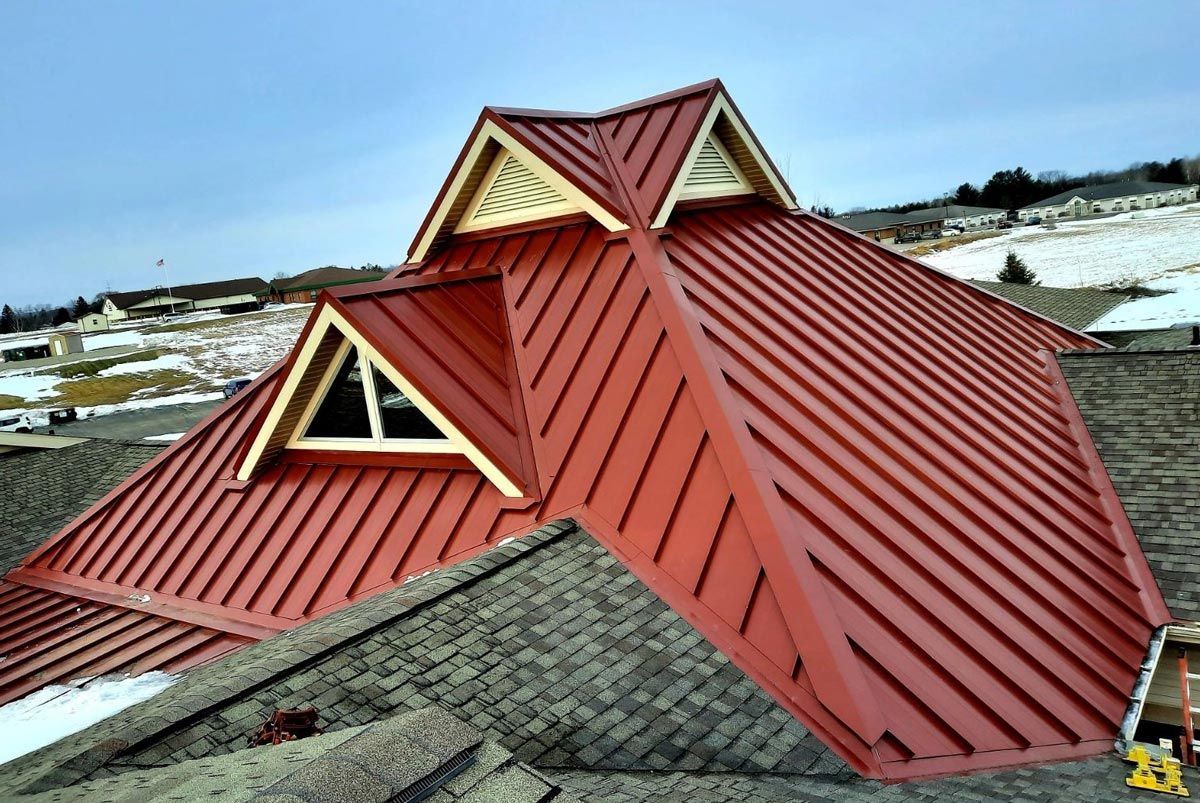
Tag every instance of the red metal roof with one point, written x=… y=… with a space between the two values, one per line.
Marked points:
x=861 y=479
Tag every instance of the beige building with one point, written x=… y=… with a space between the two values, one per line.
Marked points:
x=1121 y=196
x=65 y=343
x=93 y=322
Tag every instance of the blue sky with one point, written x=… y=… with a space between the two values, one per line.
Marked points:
x=250 y=138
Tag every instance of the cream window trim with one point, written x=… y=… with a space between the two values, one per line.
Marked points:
x=740 y=185
x=491 y=131
x=543 y=211
x=720 y=106
x=456 y=442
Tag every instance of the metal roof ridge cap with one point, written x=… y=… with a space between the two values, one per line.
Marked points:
x=671 y=94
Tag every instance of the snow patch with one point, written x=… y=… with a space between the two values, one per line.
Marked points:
x=53 y=712
x=175 y=361
x=169 y=436
x=29 y=386
x=1182 y=306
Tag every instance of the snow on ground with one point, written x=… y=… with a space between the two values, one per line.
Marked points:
x=169 y=436
x=51 y=713
x=171 y=361
x=1158 y=312
x=1158 y=248
x=224 y=347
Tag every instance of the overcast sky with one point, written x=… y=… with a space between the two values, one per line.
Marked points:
x=248 y=138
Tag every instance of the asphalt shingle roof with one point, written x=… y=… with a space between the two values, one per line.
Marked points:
x=1142 y=408
x=325 y=277
x=41 y=490
x=1116 y=189
x=1076 y=308
x=193 y=292
x=378 y=763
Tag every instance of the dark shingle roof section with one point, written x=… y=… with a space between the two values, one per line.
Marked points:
x=1076 y=308
x=1098 y=780
x=869 y=221
x=193 y=292
x=547 y=645
x=325 y=277
x=1116 y=189
x=42 y=490
x=932 y=213
x=425 y=751
x=1143 y=411
x=1148 y=339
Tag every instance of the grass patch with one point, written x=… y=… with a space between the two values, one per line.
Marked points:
x=94 y=390
x=946 y=243
x=92 y=367
x=9 y=402
x=1131 y=285
x=185 y=326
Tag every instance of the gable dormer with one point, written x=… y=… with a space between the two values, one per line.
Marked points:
x=714 y=174
x=512 y=193
x=407 y=369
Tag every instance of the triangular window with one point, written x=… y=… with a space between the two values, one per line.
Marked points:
x=399 y=418
x=343 y=412
x=512 y=193
x=714 y=173
x=360 y=407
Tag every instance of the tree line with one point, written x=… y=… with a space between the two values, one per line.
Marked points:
x=1013 y=189
x=40 y=316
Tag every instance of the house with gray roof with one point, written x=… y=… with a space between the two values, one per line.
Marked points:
x=1118 y=196
x=886 y=226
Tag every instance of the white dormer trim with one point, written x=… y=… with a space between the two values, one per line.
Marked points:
x=489 y=131
x=330 y=318
x=720 y=107
x=544 y=201
x=704 y=186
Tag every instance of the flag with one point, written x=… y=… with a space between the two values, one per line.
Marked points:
x=160 y=264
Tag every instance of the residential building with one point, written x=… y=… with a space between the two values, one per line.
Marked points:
x=231 y=295
x=1120 y=196
x=649 y=474
x=887 y=226
x=304 y=288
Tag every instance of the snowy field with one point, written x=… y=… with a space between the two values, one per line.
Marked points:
x=188 y=359
x=1158 y=248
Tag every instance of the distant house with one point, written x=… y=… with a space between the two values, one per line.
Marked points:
x=886 y=226
x=93 y=322
x=306 y=286
x=232 y=295
x=1120 y=196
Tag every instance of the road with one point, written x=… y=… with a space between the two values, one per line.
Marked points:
x=137 y=424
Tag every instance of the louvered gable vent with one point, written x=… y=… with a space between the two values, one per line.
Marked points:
x=714 y=174
x=512 y=193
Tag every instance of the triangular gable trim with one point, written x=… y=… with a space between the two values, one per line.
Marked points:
x=726 y=125
x=714 y=174
x=490 y=133
x=512 y=193
x=330 y=320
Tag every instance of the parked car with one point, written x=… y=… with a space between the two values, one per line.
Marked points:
x=234 y=386
x=932 y=234
x=909 y=237
x=16 y=423
x=950 y=232
x=1003 y=224
x=1033 y=221
x=63 y=415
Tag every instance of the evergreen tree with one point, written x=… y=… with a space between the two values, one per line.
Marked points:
x=61 y=315
x=8 y=320
x=967 y=194
x=1015 y=271
x=80 y=308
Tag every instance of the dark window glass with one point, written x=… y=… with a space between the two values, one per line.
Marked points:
x=343 y=413
x=400 y=418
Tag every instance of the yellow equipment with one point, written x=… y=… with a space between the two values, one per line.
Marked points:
x=1146 y=774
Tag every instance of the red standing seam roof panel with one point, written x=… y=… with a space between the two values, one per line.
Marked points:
x=859 y=478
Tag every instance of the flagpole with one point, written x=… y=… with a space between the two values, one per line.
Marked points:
x=167 y=274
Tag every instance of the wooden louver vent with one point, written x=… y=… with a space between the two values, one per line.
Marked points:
x=714 y=173
x=512 y=193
